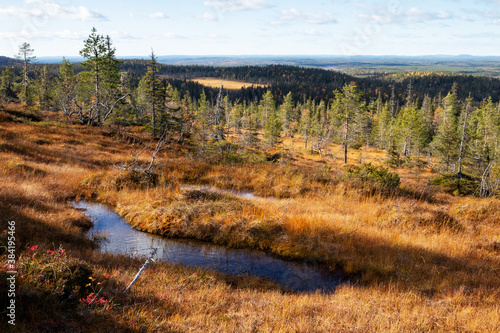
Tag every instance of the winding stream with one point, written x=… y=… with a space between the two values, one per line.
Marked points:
x=122 y=238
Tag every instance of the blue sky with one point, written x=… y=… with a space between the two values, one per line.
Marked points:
x=255 y=27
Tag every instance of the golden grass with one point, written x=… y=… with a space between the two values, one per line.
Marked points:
x=416 y=263
x=228 y=84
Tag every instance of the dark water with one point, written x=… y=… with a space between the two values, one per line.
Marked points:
x=122 y=238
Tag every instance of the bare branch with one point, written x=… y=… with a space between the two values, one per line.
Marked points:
x=106 y=115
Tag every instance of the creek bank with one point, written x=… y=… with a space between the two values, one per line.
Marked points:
x=120 y=237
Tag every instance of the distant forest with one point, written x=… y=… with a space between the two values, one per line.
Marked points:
x=455 y=118
x=303 y=82
x=317 y=84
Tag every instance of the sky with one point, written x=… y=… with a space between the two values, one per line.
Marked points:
x=254 y=27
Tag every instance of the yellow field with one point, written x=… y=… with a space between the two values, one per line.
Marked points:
x=228 y=84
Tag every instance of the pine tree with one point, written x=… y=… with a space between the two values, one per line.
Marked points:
x=25 y=54
x=102 y=72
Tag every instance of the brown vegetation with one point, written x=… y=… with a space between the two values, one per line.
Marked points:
x=420 y=260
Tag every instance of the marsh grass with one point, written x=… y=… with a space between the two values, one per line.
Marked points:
x=419 y=259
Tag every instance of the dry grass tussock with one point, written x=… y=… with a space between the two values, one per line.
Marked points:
x=419 y=260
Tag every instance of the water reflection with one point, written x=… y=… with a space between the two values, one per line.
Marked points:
x=121 y=238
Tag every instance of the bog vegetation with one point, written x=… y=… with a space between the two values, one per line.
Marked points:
x=400 y=195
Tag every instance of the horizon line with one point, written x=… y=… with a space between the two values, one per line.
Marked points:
x=278 y=55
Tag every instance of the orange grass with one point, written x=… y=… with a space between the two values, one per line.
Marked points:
x=417 y=262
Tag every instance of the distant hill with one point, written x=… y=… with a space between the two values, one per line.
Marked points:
x=58 y=60
x=356 y=65
x=6 y=61
x=359 y=66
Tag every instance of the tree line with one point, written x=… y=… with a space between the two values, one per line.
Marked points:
x=448 y=130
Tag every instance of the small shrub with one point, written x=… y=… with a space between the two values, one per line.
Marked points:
x=274 y=158
x=378 y=176
x=135 y=178
x=53 y=271
x=456 y=184
x=4 y=117
x=251 y=156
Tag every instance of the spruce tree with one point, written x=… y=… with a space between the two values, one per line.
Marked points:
x=305 y=123
x=348 y=107
x=446 y=142
x=485 y=134
x=384 y=126
x=286 y=115
x=272 y=129
x=7 y=93
x=408 y=129
x=202 y=117
x=154 y=95
x=266 y=107
x=45 y=90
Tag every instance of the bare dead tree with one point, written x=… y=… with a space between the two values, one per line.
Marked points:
x=141 y=270
x=109 y=106
x=217 y=117
x=165 y=141
x=485 y=188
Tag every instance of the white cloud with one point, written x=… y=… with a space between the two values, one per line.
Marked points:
x=412 y=15
x=492 y=15
x=315 y=33
x=51 y=35
x=477 y=36
x=172 y=35
x=236 y=5
x=115 y=35
x=158 y=15
x=207 y=17
x=295 y=16
x=45 y=9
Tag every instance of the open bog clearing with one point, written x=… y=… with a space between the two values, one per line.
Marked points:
x=228 y=84
x=410 y=258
